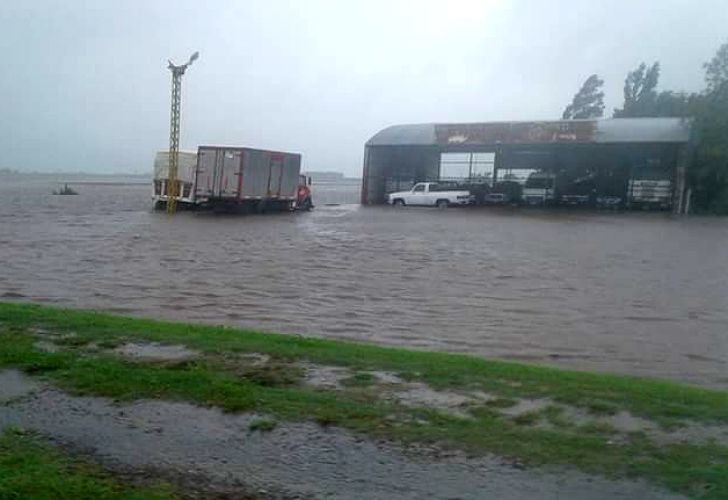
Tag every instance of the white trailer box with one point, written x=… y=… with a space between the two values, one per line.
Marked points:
x=246 y=177
x=187 y=162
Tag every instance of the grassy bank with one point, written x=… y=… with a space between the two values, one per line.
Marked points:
x=30 y=468
x=218 y=376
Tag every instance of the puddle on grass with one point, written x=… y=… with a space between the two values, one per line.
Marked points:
x=387 y=377
x=45 y=346
x=417 y=394
x=623 y=423
x=524 y=406
x=324 y=376
x=37 y=330
x=692 y=432
x=391 y=387
x=14 y=385
x=44 y=332
x=293 y=460
x=154 y=351
x=687 y=432
x=254 y=359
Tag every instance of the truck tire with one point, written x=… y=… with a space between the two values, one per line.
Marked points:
x=399 y=202
x=442 y=204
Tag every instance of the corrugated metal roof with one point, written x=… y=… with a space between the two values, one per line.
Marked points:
x=417 y=134
x=611 y=130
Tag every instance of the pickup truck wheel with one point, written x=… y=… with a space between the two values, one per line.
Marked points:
x=398 y=202
x=442 y=204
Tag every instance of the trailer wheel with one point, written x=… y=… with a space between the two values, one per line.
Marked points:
x=398 y=202
x=442 y=204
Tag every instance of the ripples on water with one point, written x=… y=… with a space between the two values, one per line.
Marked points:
x=636 y=293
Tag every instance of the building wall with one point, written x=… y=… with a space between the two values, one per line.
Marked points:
x=394 y=168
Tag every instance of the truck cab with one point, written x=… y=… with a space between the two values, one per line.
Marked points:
x=304 y=199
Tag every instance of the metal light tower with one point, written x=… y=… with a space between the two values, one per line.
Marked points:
x=172 y=182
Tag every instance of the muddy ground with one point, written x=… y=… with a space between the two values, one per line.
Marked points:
x=214 y=453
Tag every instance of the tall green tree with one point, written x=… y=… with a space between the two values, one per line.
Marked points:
x=708 y=174
x=640 y=94
x=716 y=70
x=588 y=102
x=669 y=103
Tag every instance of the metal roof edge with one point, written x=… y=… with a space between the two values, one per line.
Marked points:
x=607 y=130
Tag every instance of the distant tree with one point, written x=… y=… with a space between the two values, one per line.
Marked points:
x=669 y=103
x=708 y=171
x=708 y=174
x=640 y=96
x=588 y=102
x=716 y=70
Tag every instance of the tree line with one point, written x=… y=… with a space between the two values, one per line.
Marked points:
x=708 y=172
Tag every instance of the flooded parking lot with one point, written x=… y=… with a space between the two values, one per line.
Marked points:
x=632 y=293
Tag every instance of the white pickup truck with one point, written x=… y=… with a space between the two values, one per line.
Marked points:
x=430 y=194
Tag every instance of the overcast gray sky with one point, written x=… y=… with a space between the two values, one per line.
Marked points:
x=83 y=84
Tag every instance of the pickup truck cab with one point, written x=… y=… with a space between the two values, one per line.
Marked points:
x=430 y=194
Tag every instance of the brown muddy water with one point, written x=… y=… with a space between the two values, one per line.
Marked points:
x=636 y=293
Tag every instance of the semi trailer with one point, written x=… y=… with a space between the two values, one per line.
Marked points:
x=246 y=179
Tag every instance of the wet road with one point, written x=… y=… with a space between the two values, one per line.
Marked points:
x=630 y=293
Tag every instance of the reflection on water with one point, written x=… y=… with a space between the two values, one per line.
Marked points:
x=636 y=293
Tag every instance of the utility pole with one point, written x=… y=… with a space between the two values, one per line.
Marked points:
x=172 y=177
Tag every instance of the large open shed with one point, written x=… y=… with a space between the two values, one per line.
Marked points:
x=610 y=150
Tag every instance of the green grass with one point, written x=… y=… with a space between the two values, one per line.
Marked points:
x=263 y=425
x=528 y=418
x=217 y=378
x=30 y=468
x=602 y=408
x=274 y=373
x=501 y=403
x=361 y=379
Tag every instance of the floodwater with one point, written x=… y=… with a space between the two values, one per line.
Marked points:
x=295 y=460
x=634 y=293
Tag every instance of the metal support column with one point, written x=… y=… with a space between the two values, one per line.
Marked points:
x=497 y=162
x=172 y=175
x=680 y=203
x=173 y=184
